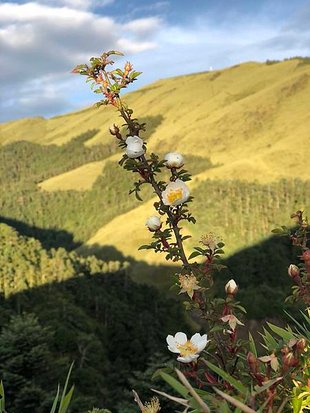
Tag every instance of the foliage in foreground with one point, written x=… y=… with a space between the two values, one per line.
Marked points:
x=237 y=375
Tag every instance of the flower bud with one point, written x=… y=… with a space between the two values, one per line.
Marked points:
x=153 y=223
x=293 y=271
x=301 y=345
x=231 y=287
x=289 y=360
x=174 y=160
x=114 y=129
x=134 y=147
x=128 y=67
x=252 y=361
x=306 y=256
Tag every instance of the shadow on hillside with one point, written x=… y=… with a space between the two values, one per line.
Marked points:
x=151 y=123
x=260 y=270
x=49 y=238
x=106 y=323
x=140 y=271
x=261 y=273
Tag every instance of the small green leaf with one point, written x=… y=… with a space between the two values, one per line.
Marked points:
x=252 y=345
x=66 y=401
x=260 y=389
x=234 y=382
x=194 y=254
x=286 y=335
x=144 y=247
x=53 y=409
x=175 y=384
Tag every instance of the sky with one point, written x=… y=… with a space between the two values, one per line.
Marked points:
x=42 y=40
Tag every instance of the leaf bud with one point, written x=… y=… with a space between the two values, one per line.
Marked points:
x=231 y=288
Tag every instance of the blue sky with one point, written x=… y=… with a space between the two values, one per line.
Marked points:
x=40 y=42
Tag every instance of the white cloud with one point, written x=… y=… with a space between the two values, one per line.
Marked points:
x=41 y=43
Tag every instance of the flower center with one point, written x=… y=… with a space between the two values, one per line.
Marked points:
x=175 y=195
x=187 y=349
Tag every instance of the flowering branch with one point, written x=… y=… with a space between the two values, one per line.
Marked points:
x=238 y=371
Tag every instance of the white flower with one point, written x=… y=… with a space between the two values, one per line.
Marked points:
x=188 y=349
x=176 y=193
x=134 y=147
x=231 y=287
x=174 y=160
x=153 y=223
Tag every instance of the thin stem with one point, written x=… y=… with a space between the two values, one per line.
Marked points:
x=133 y=130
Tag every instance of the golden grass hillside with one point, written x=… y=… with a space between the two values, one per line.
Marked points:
x=252 y=120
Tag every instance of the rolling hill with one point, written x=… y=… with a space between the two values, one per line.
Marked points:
x=251 y=121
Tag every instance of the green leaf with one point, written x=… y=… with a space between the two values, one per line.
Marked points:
x=286 y=335
x=194 y=254
x=63 y=397
x=200 y=250
x=66 y=401
x=260 y=389
x=252 y=345
x=2 y=400
x=53 y=409
x=270 y=341
x=145 y=247
x=117 y=53
x=175 y=384
x=234 y=382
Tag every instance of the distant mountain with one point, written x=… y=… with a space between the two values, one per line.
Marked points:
x=245 y=134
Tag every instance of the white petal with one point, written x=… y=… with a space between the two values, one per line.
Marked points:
x=199 y=341
x=134 y=139
x=196 y=338
x=134 y=153
x=173 y=349
x=180 y=338
x=164 y=195
x=188 y=359
x=171 y=340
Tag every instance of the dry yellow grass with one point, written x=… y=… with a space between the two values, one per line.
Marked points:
x=251 y=119
x=78 y=179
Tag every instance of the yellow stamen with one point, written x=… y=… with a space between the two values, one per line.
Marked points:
x=187 y=349
x=152 y=407
x=175 y=195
